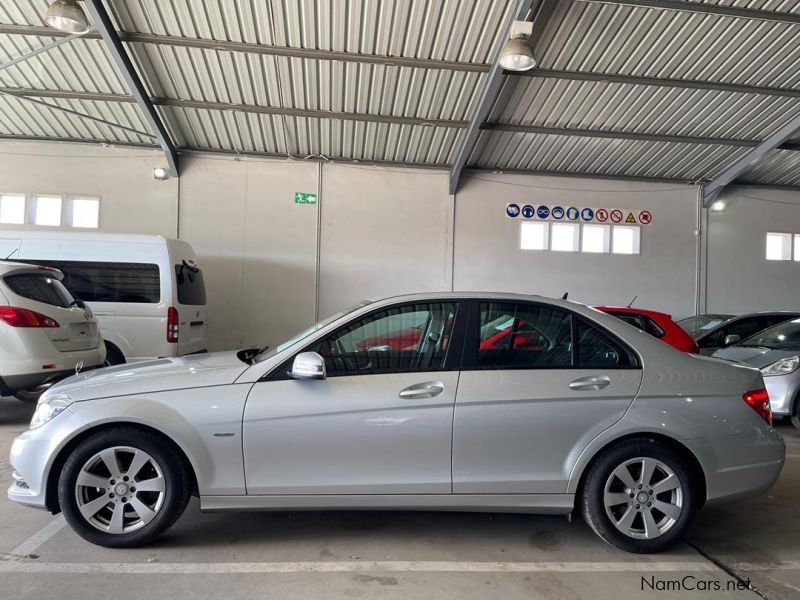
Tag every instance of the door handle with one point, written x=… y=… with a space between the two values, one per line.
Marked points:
x=428 y=389
x=593 y=382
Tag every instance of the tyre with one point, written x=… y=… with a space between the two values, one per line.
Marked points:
x=113 y=356
x=29 y=396
x=795 y=418
x=123 y=487
x=639 y=496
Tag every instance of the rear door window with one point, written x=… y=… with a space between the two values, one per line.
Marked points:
x=134 y=283
x=191 y=287
x=40 y=288
x=597 y=349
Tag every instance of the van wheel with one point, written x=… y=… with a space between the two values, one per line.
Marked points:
x=123 y=487
x=113 y=356
x=638 y=496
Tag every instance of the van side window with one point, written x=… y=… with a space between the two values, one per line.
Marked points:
x=135 y=283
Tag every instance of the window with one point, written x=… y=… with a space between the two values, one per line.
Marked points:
x=642 y=322
x=596 y=238
x=12 y=209
x=40 y=288
x=564 y=237
x=46 y=210
x=401 y=339
x=83 y=212
x=626 y=239
x=596 y=349
x=797 y=247
x=191 y=288
x=524 y=335
x=779 y=246
x=533 y=235
x=110 y=282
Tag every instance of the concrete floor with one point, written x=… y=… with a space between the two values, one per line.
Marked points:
x=397 y=555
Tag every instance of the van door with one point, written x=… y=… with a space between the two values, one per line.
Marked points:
x=190 y=303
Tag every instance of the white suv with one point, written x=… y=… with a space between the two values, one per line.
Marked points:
x=45 y=332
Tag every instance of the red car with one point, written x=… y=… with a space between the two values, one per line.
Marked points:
x=657 y=324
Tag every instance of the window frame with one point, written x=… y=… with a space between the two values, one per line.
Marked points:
x=452 y=358
x=469 y=354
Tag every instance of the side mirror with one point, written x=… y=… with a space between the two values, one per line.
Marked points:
x=308 y=365
x=732 y=339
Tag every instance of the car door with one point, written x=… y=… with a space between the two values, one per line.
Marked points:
x=380 y=423
x=524 y=413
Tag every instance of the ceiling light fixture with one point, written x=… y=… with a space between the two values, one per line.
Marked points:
x=67 y=15
x=718 y=206
x=160 y=173
x=517 y=54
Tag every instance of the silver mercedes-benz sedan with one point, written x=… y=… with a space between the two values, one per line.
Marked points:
x=451 y=401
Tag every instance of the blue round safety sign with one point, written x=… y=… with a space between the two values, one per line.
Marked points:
x=587 y=214
x=557 y=212
x=528 y=211
x=573 y=213
x=512 y=210
x=543 y=212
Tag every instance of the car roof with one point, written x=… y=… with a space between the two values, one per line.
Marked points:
x=8 y=267
x=635 y=311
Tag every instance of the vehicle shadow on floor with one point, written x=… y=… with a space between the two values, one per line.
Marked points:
x=15 y=412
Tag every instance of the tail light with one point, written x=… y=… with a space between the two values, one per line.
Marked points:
x=759 y=402
x=172 y=325
x=22 y=317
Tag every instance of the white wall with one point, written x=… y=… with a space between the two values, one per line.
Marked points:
x=739 y=277
x=384 y=232
x=389 y=231
x=487 y=254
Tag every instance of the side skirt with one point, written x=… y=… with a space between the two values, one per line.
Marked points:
x=553 y=504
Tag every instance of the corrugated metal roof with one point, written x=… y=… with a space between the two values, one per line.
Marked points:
x=584 y=36
x=780 y=167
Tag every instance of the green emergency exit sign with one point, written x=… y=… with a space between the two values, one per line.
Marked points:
x=303 y=198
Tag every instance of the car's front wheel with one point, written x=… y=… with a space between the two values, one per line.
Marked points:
x=638 y=496
x=123 y=487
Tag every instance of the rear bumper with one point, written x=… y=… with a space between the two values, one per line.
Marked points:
x=740 y=466
x=28 y=374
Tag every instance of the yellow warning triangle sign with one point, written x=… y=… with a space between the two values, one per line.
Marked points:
x=630 y=218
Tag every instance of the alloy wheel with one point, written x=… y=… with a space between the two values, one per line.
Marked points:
x=643 y=497
x=120 y=489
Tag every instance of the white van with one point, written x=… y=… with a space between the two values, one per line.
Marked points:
x=146 y=291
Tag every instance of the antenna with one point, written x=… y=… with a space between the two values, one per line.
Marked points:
x=564 y=297
x=632 y=301
x=13 y=252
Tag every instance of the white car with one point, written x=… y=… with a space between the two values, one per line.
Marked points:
x=46 y=334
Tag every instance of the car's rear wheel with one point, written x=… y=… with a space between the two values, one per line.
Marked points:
x=30 y=396
x=123 y=487
x=795 y=418
x=638 y=496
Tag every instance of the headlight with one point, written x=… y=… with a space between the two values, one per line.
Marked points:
x=782 y=367
x=49 y=408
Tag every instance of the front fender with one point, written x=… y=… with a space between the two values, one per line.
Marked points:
x=205 y=423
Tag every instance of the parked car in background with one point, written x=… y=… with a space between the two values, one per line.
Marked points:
x=45 y=332
x=735 y=329
x=593 y=416
x=776 y=351
x=146 y=291
x=699 y=324
x=659 y=325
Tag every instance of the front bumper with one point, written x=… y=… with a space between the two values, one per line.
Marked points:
x=782 y=391
x=742 y=465
x=33 y=454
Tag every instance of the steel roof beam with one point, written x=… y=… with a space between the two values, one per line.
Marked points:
x=115 y=48
x=708 y=9
x=773 y=142
x=692 y=84
x=250 y=48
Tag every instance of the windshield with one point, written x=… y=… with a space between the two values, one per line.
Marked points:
x=697 y=326
x=785 y=336
x=270 y=352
